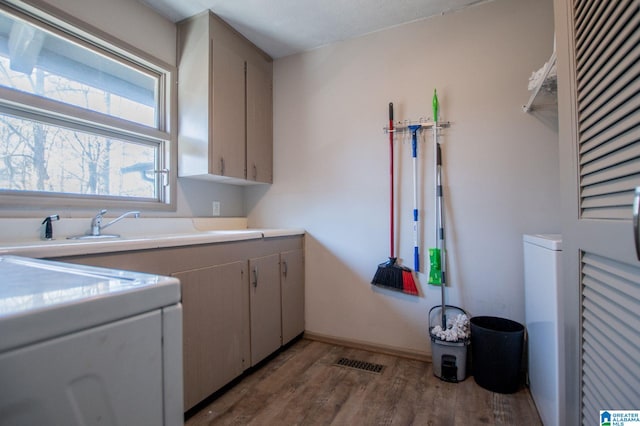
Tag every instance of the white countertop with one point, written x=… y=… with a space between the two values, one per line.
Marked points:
x=21 y=236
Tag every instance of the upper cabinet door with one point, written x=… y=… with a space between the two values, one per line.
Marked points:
x=227 y=139
x=259 y=121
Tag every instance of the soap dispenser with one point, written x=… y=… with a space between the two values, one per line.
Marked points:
x=46 y=230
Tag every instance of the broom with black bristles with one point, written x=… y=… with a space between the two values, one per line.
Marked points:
x=390 y=274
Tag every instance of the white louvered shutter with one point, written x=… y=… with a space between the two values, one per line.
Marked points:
x=608 y=89
x=607 y=81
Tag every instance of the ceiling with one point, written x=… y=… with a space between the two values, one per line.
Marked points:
x=285 y=27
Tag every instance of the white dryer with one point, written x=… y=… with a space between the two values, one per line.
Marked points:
x=542 y=270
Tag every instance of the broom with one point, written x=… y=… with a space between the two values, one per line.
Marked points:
x=389 y=274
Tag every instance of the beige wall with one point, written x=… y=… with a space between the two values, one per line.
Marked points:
x=331 y=166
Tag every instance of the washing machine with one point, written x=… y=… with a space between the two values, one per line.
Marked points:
x=87 y=346
x=542 y=271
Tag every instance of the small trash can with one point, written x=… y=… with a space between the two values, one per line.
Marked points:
x=496 y=353
x=449 y=358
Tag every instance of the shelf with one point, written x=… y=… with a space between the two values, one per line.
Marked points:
x=549 y=84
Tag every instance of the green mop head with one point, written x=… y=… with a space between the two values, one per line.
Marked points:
x=435 y=271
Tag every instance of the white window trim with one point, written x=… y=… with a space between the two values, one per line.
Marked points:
x=55 y=112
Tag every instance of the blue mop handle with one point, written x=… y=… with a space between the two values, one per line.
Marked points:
x=414 y=141
x=414 y=147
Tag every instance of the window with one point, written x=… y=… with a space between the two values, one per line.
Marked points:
x=79 y=118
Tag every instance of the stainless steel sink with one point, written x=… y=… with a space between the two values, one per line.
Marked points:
x=93 y=237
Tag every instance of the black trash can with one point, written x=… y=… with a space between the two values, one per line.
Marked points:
x=496 y=353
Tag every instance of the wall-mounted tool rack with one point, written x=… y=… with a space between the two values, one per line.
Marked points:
x=403 y=126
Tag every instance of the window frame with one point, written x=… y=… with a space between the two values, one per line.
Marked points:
x=53 y=112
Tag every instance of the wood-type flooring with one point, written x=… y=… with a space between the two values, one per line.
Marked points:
x=302 y=386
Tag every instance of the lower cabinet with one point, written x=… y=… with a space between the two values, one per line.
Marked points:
x=214 y=334
x=241 y=301
x=265 y=308
x=292 y=293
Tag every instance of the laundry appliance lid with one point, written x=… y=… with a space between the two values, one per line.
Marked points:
x=549 y=241
x=41 y=299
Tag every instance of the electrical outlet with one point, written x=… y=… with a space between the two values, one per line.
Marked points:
x=215 y=209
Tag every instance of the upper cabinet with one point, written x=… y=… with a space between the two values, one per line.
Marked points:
x=225 y=128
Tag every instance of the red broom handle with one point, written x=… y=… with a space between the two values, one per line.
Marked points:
x=392 y=239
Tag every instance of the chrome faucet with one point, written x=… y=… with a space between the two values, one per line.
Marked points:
x=96 y=222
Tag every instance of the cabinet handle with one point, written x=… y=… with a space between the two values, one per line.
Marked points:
x=222 y=166
x=255 y=276
x=284 y=268
x=636 y=221
x=255 y=172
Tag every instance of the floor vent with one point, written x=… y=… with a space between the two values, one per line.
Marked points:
x=360 y=365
